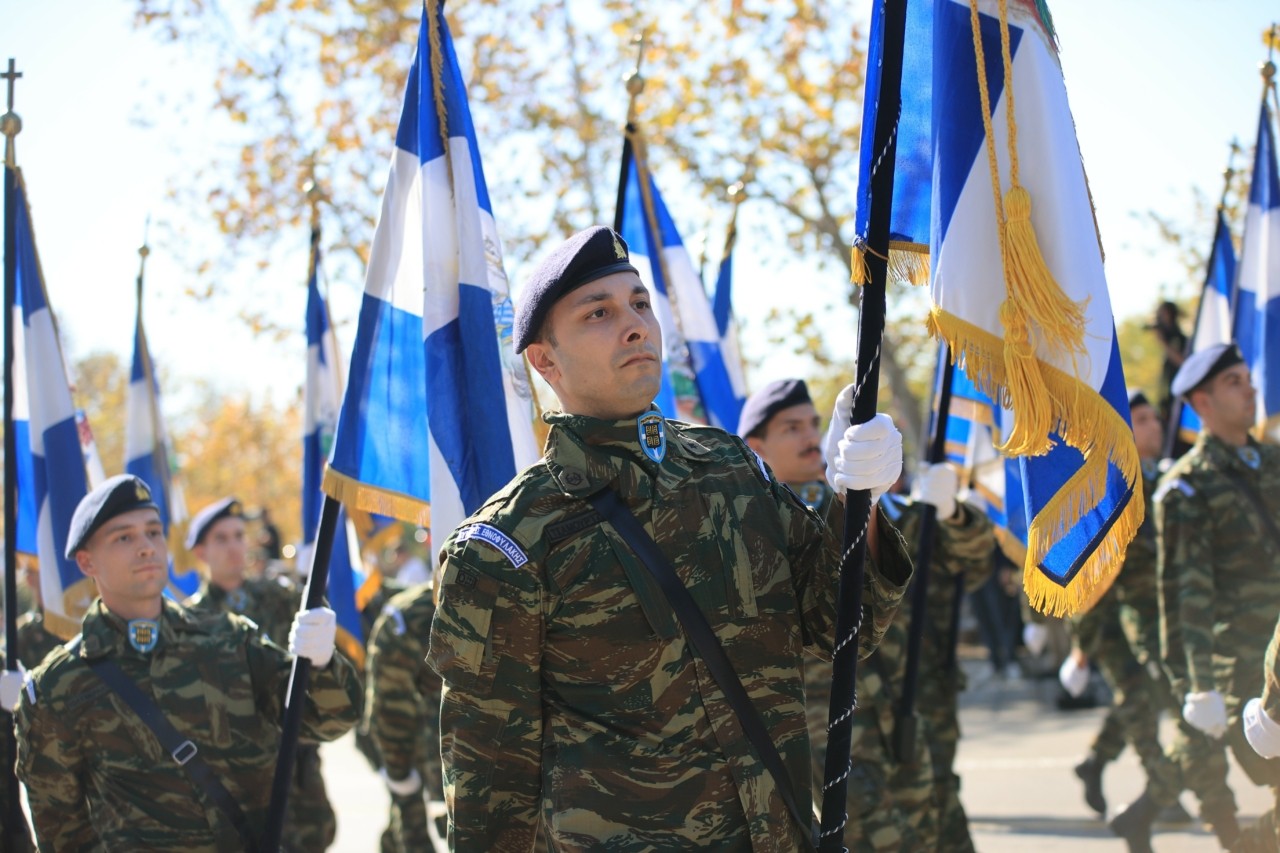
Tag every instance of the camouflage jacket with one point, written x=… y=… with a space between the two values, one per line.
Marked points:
x=97 y=777
x=270 y=603
x=1271 y=676
x=7 y=756
x=34 y=639
x=1218 y=568
x=402 y=693
x=567 y=680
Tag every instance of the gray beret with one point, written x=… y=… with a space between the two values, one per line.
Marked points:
x=1200 y=367
x=116 y=496
x=586 y=256
x=768 y=401
x=209 y=516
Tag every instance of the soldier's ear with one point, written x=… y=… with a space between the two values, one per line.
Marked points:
x=542 y=357
x=85 y=561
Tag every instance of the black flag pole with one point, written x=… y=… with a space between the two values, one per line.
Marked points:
x=907 y=726
x=1175 y=407
x=11 y=126
x=857 y=511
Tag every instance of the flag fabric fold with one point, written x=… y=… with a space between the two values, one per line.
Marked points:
x=1016 y=274
x=433 y=356
x=51 y=468
x=1257 y=311
x=1214 y=314
x=727 y=327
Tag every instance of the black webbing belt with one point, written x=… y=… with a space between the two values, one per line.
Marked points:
x=182 y=750
x=706 y=645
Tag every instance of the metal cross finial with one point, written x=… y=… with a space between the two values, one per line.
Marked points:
x=11 y=75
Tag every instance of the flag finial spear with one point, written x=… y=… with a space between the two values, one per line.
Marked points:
x=635 y=80
x=143 y=251
x=10 y=124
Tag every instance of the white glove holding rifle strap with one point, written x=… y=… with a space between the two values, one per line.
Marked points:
x=862 y=457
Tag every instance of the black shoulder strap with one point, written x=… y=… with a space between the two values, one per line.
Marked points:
x=183 y=751
x=1250 y=492
x=705 y=644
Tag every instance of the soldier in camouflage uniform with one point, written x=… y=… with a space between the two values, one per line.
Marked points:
x=1262 y=731
x=10 y=696
x=569 y=686
x=35 y=640
x=1121 y=634
x=96 y=774
x=1218 y=563
x=401 y=713
x=217 y=537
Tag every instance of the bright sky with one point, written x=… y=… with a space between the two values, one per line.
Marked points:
x=1158 y=88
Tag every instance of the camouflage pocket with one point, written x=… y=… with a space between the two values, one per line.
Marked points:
x=461 y=649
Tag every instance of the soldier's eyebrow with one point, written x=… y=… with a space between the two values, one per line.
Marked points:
x=592 y=296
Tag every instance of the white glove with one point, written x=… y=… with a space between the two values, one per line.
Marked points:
x=867 y=456
x=1262 y=732
x=937 y=484
x=1206 y=712
x=1073 y=677
x=312 y=634
x=405 y=787
x=11 y=689
x=1035 y=637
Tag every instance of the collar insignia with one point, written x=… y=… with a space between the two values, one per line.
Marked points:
x=811 y=494
x=1250 y=456
x=653 y=435
x=144 y=634
x=237 y=599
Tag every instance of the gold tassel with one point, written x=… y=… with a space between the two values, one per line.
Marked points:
x=1025 y=388
x=860 y=273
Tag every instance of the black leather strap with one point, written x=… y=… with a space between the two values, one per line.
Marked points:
x=706 y=645
x=182 y=750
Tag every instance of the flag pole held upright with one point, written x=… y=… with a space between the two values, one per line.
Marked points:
x=858 y=507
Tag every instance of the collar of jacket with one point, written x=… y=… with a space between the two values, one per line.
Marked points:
x=104 y=633
x=1223 y=455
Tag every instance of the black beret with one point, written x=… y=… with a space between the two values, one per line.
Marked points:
x=1138 y=398
x=583 y=258
x=116 y=496
x=768 y=401
x=209 y=516
x=1200 y=367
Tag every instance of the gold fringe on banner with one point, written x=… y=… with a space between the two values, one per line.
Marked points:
x=907 y=262
x=362 y=496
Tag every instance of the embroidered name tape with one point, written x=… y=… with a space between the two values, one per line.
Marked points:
x=495 y=537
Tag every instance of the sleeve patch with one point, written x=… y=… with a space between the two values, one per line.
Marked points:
x=1169 y=485
x=493 y=536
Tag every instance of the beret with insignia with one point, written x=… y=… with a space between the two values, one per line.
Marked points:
x=768 y=401
x=583 y=258
x=1202 y=366
x=209 y=516
x=116 y=496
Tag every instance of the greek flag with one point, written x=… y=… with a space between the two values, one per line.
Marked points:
x=726 y=328
x=1257 y=315
x=321 y=394
x=51 y=468
x=690 y=335
x=438 y=412
x=1016 y=271
x=1214 y=315
x=148 y=454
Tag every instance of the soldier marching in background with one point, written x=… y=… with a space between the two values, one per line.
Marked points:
x=158 y=729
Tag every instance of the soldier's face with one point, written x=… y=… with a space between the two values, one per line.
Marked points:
x=791 y=445
x=602 y=349
x=1228 y=402
x=129 y=559
x=225 y=550
x=1148 y=432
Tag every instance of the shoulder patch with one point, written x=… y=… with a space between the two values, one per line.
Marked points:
x=30 y=684
x=495 y=537
x=396 y=618
x=1169 y=485
x=764 y=472
x=562 y=530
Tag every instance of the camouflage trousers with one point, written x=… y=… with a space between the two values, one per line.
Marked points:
x=1134 y=717
x=941 y=731
x=310 y=824
x=889 y=802
x=407 y=831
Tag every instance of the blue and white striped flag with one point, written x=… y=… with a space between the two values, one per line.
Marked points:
x=321 y=396
x=690 y=335
x=148 y=454
x=1257 y=314
x=433 y=356
x=51 y=468
x=1214 y=315
x=1017 y=279
x=726 y=326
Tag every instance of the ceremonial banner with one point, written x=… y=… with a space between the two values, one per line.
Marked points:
x=349 y=589
x=1257 y=314
x=1214 y=315
x=438 y=412
x=1017 y=280
x=51 y=468
x=690 y=335
x=148 y=456
x=726 y=327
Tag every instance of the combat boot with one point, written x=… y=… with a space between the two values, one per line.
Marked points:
x=1090 y=773
x=1134 y=823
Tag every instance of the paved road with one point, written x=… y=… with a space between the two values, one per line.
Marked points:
x=1015 y=759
